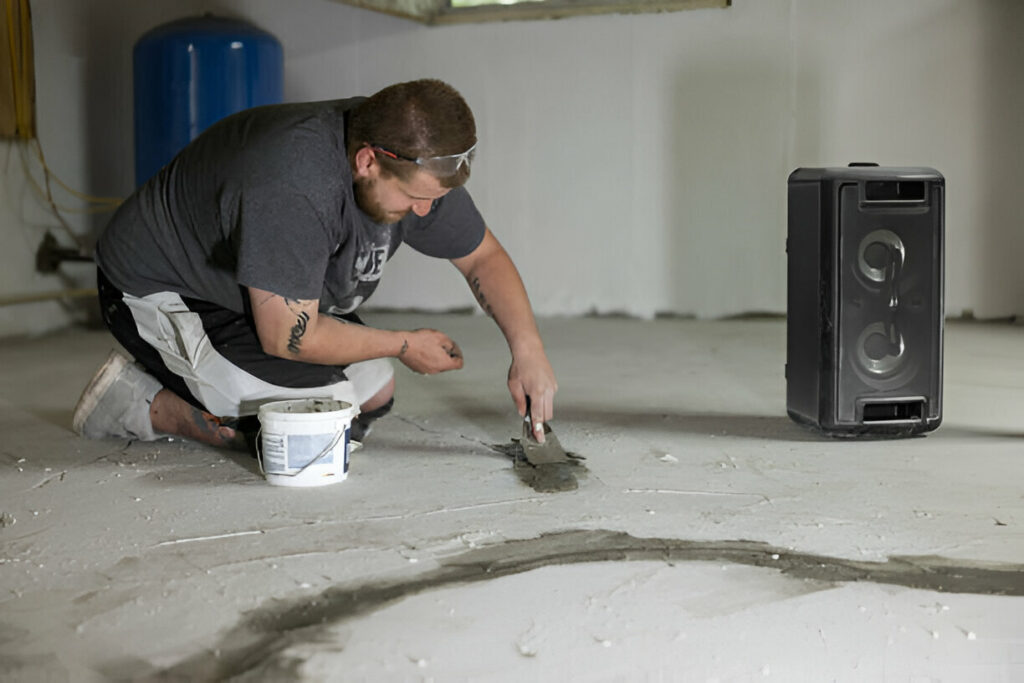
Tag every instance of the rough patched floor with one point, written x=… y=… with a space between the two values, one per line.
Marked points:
x=712 y=539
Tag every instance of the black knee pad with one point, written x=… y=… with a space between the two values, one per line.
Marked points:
x=362 y=423
x=378 y=412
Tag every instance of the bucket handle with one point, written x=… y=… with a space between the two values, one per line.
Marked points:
x=327 y=449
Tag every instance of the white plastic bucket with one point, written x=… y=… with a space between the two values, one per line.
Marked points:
x=305 y=442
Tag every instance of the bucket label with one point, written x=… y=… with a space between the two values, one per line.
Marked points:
x=305 y=448
x=275 y=451
x=348 y=432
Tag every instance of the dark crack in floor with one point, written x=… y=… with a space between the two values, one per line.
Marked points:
x=268 y=630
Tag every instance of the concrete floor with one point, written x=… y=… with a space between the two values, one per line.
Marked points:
x=713 y=539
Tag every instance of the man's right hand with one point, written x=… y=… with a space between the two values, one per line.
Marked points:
x=429 y=352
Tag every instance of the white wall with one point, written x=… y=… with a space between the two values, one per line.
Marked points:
x=629 y=164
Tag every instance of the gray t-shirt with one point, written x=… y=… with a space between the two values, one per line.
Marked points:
x=264 y=199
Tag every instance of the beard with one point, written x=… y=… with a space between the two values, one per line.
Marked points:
x=368 y=204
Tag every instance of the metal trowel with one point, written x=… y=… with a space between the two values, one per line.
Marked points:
x=541 y=453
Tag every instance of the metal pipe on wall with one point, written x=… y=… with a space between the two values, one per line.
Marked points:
x=37 y=297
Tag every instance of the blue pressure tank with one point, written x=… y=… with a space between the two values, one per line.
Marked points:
x=191 y=73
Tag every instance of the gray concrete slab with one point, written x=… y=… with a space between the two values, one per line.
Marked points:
x=712 y=538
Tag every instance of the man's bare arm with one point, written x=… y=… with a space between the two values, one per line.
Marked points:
x=495 y=282
x=296 y=330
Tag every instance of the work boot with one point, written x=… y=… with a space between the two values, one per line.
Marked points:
x=116 y=402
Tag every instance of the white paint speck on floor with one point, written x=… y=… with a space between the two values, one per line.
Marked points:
x=173 y=561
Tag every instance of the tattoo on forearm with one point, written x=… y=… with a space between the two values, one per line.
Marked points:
x=294 y=305
x=298 y=329
x=405 y=347
x=479 y=292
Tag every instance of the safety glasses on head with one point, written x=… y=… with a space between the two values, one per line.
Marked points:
x=440 y=167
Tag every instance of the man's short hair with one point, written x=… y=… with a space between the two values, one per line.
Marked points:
x=416 y=119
